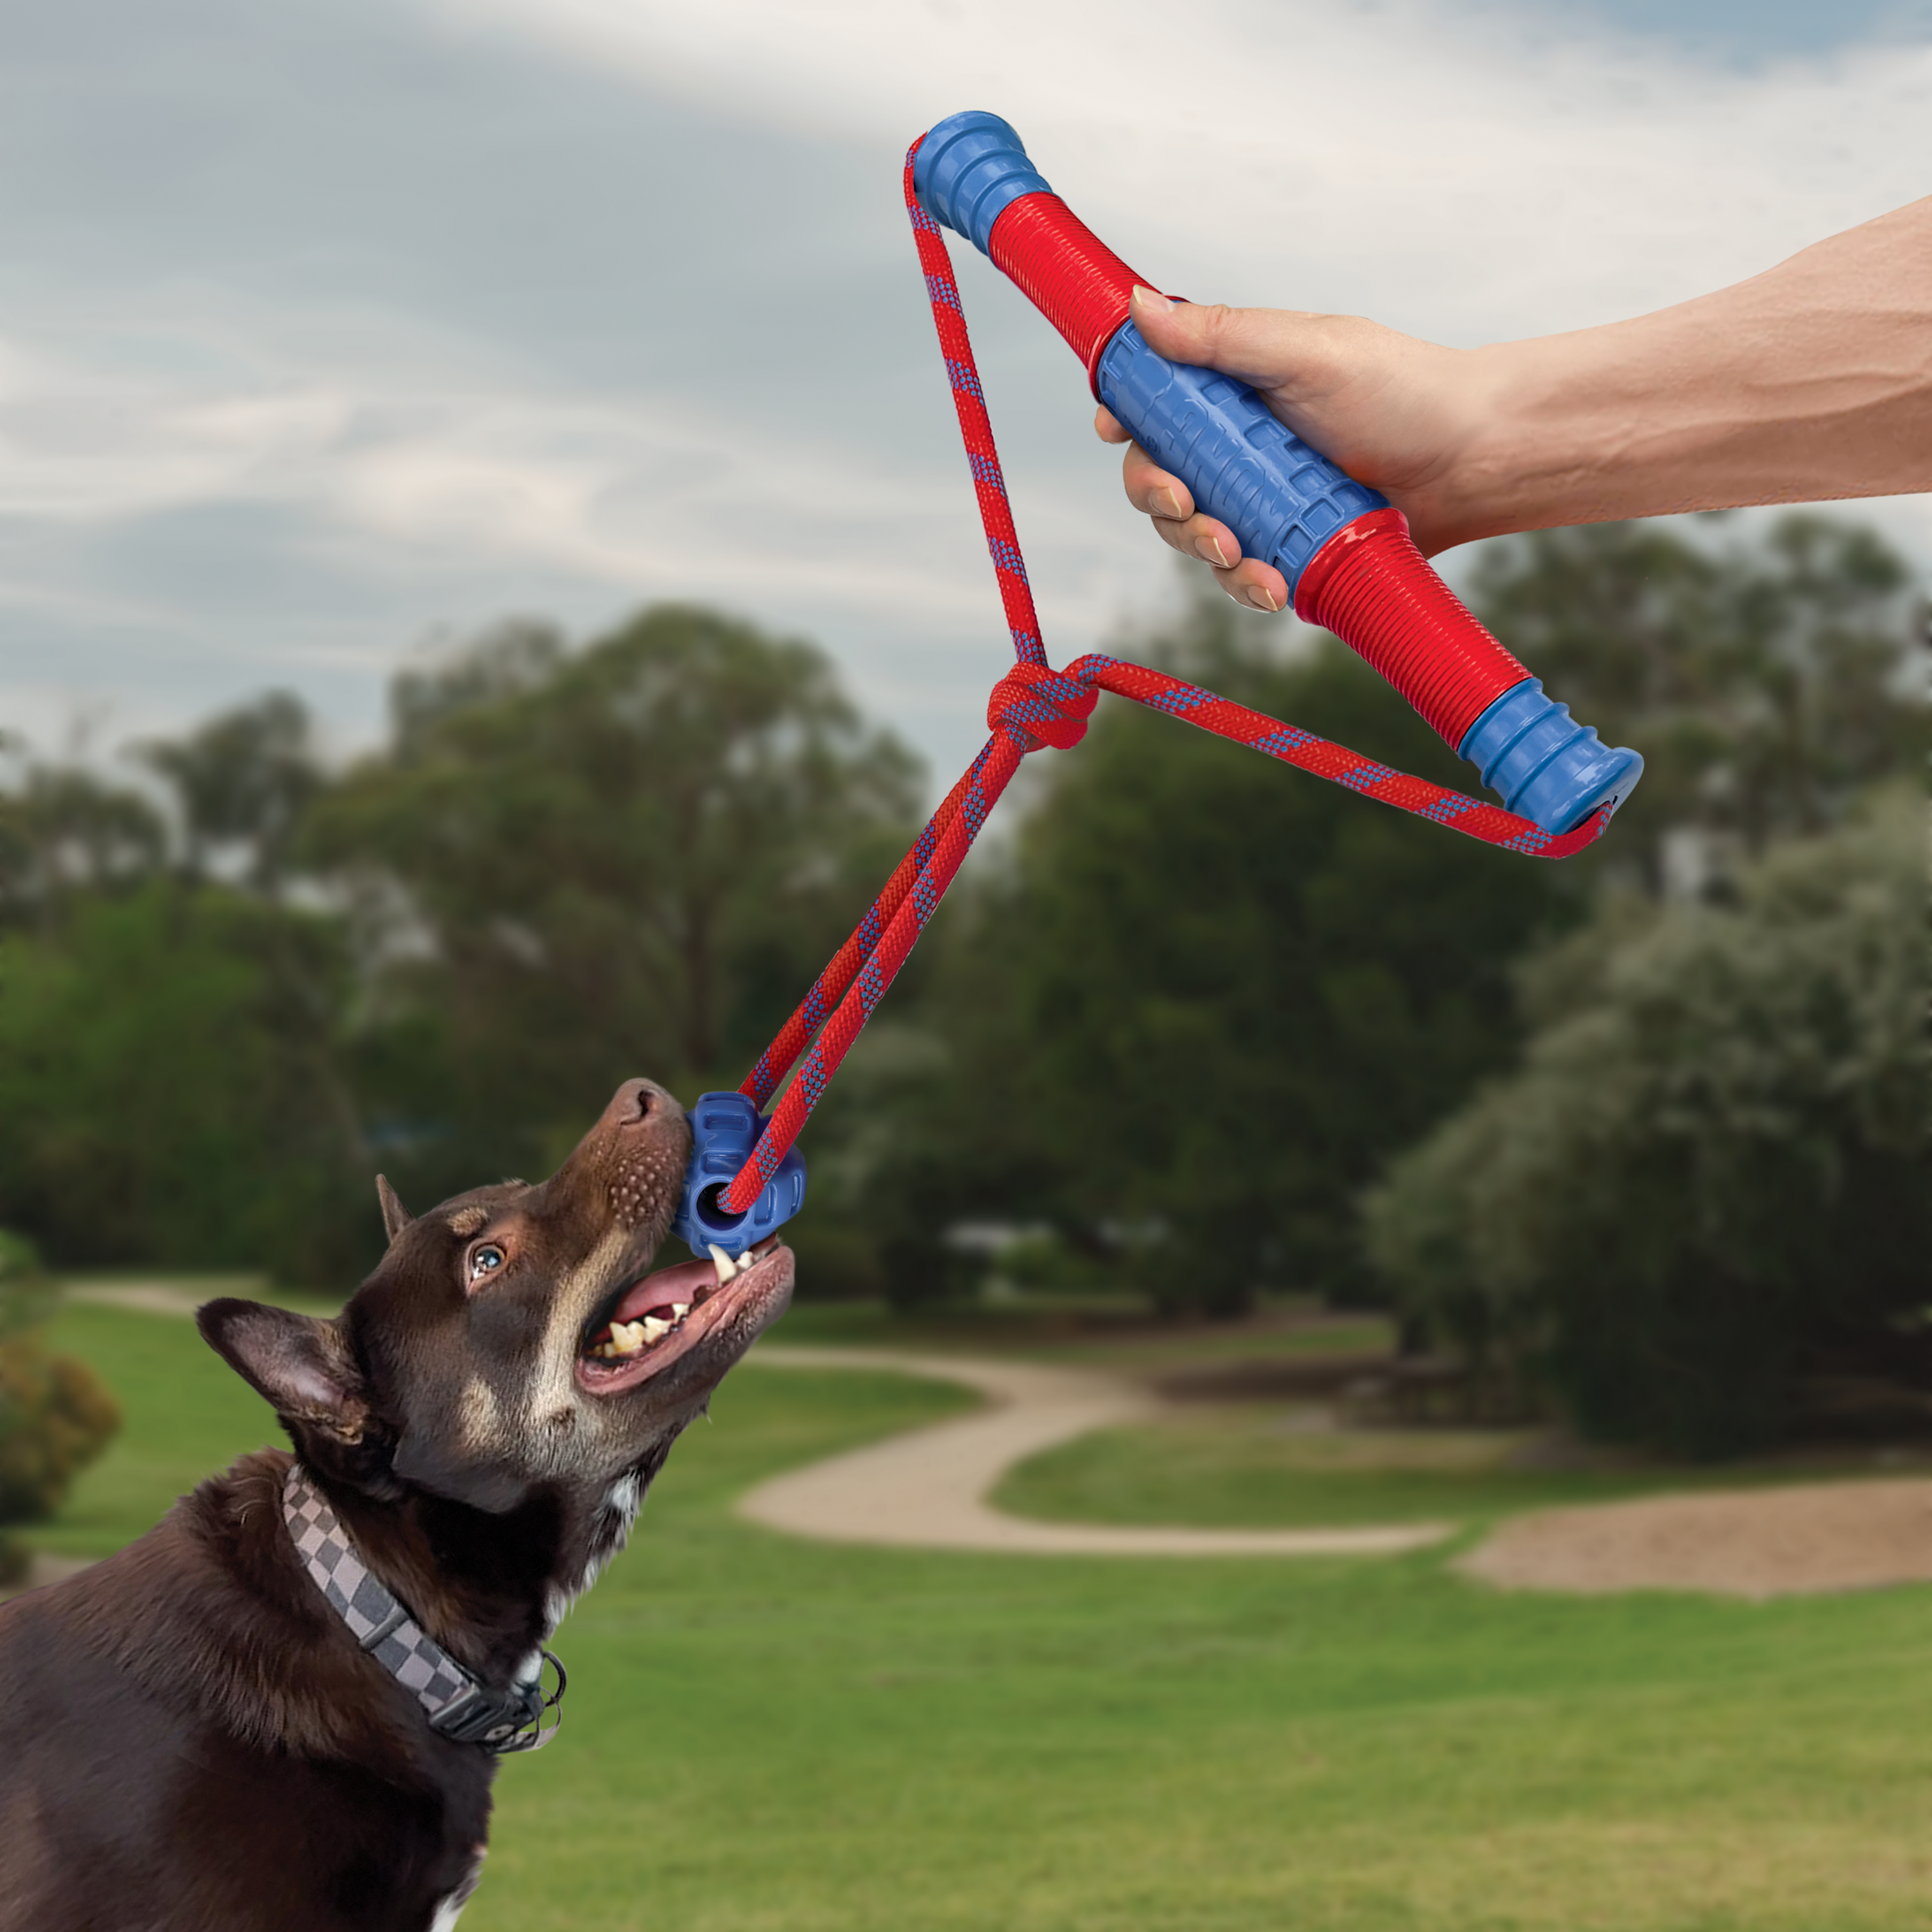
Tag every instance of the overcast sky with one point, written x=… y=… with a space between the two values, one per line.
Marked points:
x=330 y=328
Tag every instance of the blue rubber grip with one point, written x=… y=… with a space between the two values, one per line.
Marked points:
x=967 y=170
x=1542 y=764
x=1282 y=499
x=724 y=1129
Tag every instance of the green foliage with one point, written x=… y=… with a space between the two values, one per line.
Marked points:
x=569 y=868
x=55 y=1415
x=55 y=1418
x=1761 y=682
x=26 y=1293
x=1189 y=1011
x=164 y=1096
x=65 y=833
x=581 y=866
x=242 y=783
x=1701 y=1204
x=1211 y=995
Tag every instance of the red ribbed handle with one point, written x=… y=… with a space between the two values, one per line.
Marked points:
x=1065 y=270
x=1371 y=586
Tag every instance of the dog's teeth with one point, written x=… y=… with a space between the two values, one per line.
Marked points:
x=679 y=1309
x=626 y=1338
x=652 y=1328
x=746 y=1262
x=726 y=1267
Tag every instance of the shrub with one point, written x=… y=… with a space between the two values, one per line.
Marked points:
x=55 y=1415
x=1700 y=1204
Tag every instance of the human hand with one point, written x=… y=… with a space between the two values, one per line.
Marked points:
x=1395 y=412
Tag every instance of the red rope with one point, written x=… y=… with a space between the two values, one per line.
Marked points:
x=1034 y=705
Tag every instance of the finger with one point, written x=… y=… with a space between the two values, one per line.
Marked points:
x=1151 y=489
x=1107 y=426
x=1254 y=585
x=1202 y=538
x=1261 y=345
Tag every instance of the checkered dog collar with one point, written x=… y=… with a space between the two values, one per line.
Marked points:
x=457 y=1705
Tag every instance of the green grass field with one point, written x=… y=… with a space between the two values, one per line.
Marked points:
x=1249 y=1464
x=770 y=1736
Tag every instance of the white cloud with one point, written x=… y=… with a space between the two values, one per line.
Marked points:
x=1485 y=169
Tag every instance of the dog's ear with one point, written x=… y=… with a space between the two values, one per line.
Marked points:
x=395 y=1216
x=301 y=1365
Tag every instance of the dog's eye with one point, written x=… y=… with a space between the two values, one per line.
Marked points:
x=486 y=1261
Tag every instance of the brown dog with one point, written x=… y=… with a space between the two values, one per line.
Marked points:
x=215 y=1730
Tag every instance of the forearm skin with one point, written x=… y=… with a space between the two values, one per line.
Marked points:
x=1813 y=381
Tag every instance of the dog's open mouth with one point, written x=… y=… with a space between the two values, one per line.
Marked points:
x=665 y=1315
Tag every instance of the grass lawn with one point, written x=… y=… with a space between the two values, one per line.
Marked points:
x=1076 y=1333
x=1249 y=1464
x=772 y=1736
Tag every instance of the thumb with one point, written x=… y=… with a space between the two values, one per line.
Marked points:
x=1254 y=345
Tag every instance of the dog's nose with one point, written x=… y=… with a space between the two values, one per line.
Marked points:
x=638 y=1100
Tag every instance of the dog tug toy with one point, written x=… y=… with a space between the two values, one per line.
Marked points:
x=1347 y=555
x=1351 y=568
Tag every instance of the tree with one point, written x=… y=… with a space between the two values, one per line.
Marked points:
x=578 y=866
x=1210 y=996
x=1698 y=1211
x=243 y=786
x=158 y=1101
x=1763 y=683
x=170 y=1084
x=242 y=783
x=65 y=833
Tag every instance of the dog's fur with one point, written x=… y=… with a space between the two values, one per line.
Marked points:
x=190 y=1737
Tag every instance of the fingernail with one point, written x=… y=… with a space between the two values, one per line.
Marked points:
x=1171 y=506
x=1261 y=599
x=1152 y=301
x=1208 y=549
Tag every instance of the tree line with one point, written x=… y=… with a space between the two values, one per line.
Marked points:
x=1198 y=1026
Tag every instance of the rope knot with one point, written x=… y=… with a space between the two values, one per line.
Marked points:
x=1047 y=707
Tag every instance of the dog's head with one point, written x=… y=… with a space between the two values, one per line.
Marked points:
x=514 y=1340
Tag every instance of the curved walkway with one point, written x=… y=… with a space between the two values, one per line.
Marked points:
x=927 y=1489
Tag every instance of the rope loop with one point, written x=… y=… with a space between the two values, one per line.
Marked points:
x=1046 y=707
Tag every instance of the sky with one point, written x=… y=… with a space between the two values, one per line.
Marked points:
x=334 y=330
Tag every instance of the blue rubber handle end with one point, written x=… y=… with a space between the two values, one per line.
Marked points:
x=724 y=1129
x=1547 y=767
x=967 y=170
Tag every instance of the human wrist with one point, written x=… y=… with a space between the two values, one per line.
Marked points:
x=1486 y=481
x=1620 y=421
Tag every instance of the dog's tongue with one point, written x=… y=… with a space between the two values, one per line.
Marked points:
x=666 y=1288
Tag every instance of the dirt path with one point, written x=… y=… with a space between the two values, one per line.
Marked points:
x=927 y=1489
x=143 y=1297
x=1805 y=1540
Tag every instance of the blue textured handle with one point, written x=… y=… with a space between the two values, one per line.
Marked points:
x=967 y=170
x=1542 y=764
x=724 y=1129
x=1282 y=499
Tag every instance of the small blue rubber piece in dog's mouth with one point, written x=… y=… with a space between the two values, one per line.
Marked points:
x=724 y=1130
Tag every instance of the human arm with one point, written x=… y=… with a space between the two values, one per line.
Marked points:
x=1810 y=382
